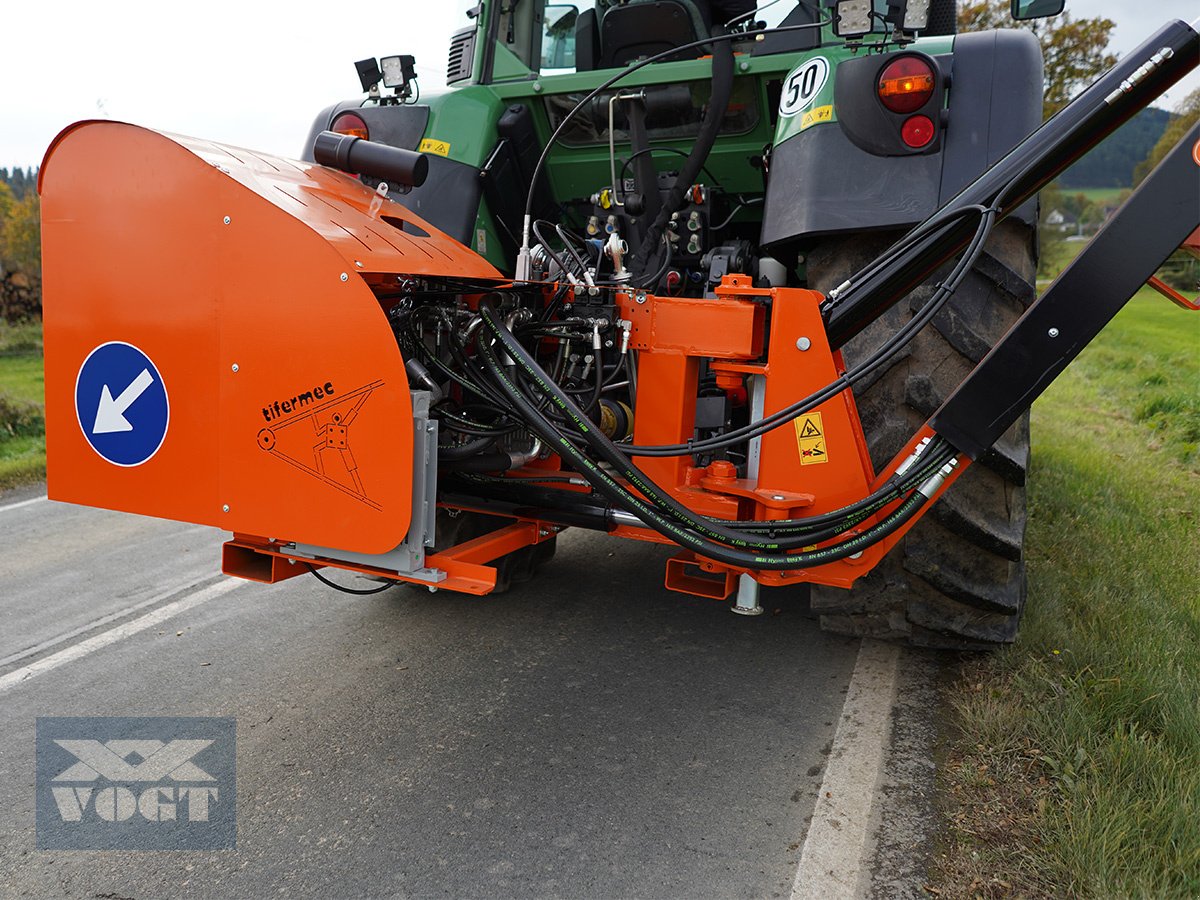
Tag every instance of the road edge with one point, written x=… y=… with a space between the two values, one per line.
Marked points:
x=834 y=862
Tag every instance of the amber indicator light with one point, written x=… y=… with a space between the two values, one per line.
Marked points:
x=906 y=84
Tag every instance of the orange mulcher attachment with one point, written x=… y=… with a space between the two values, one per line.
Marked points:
x=1192 y=246
x=215 y=351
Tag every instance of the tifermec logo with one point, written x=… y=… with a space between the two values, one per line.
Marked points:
x=136 y=783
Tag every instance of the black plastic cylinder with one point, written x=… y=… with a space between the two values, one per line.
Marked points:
x=348 y=153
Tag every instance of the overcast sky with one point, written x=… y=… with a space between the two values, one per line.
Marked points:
x=254 y=73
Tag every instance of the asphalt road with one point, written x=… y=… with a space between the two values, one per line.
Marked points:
x=588 y=734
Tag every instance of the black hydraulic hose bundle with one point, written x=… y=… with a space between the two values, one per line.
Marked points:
x=684 y=536
x=718 y=103
x=704 y=534
x=522 y=258
x=852 y=375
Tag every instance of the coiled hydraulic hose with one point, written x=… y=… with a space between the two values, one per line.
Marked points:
x=686 y=537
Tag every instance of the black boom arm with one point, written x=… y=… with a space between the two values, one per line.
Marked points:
x=1131 y=246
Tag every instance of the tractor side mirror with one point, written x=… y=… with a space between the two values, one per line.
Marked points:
x=1036 y=9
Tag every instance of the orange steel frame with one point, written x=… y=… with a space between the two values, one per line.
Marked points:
x=281 y=260
x=671 y=335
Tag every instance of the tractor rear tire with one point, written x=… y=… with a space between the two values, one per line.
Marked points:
x=957 y=579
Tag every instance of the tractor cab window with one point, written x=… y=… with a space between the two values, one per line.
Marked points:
x=559 y=21
x=608 y=34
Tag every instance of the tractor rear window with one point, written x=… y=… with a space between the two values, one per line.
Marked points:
x=674 y=111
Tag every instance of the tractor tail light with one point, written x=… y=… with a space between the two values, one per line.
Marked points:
x=906 y=84
x=917 y=132
x=351 y=124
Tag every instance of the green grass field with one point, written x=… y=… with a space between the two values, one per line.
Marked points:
x=1076 y=772
x=22 y=405
x=1095 y=195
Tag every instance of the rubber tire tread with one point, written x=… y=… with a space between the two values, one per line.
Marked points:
x=957 y=579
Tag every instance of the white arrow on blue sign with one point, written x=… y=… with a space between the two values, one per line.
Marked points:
x=121 y=403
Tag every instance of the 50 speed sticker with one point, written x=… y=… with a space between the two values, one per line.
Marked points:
x=802 y=86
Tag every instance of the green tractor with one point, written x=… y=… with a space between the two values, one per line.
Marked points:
x=666 y=143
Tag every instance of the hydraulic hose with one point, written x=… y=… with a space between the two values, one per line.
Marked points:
x=522 y=273
x=718 y=103
x=623 y=498
x=711 y=529
x=1114 y=98
x=850 y=377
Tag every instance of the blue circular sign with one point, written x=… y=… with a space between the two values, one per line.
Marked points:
x=121 y=403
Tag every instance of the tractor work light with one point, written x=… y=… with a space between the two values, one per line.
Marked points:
x=398 y=71
x=906 y=84
x=909 y=15
x=368 y=74
x=852 y=18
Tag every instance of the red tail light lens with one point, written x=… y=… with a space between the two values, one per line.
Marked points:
x=906 y=84
x=352 y=124
x=917 y=132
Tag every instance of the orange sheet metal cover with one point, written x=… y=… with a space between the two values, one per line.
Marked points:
x=212 y=354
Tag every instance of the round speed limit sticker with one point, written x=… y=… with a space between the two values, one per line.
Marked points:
x=803 y=85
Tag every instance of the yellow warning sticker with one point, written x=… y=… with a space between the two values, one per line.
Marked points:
x=810 y=437
x=429 y=145
x=815 y=116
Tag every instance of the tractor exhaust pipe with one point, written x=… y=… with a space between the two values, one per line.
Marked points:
x=1114 y=98
x=348 y=153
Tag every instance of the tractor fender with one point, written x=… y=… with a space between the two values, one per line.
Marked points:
x=450 y=197
x=822 y=183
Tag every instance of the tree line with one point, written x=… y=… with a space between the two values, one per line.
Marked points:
x=1075 y=51
x=20 y=245
x=20 y=249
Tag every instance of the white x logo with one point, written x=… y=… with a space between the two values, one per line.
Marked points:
x=159 y=761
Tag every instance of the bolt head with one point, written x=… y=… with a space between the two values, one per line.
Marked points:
x=803 y=344
x=1053 y=332
x=234 y=367
x=777 y=497
x=345 y=277
x=227 y=220
x=225 y=508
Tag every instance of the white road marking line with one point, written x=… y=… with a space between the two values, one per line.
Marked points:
x=4 y=509
x=99 y=641
x=832 y=860
x=103 y=620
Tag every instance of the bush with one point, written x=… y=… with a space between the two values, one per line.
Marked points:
x=20 y=298
x=20 y=418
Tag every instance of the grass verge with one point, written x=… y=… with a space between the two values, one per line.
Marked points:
x=1075 y=770
x=1096 y=195
x=22 y=405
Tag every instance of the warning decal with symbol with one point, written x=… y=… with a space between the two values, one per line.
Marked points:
x=810 y=437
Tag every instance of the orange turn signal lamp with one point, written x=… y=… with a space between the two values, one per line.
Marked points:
x=906 y=84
